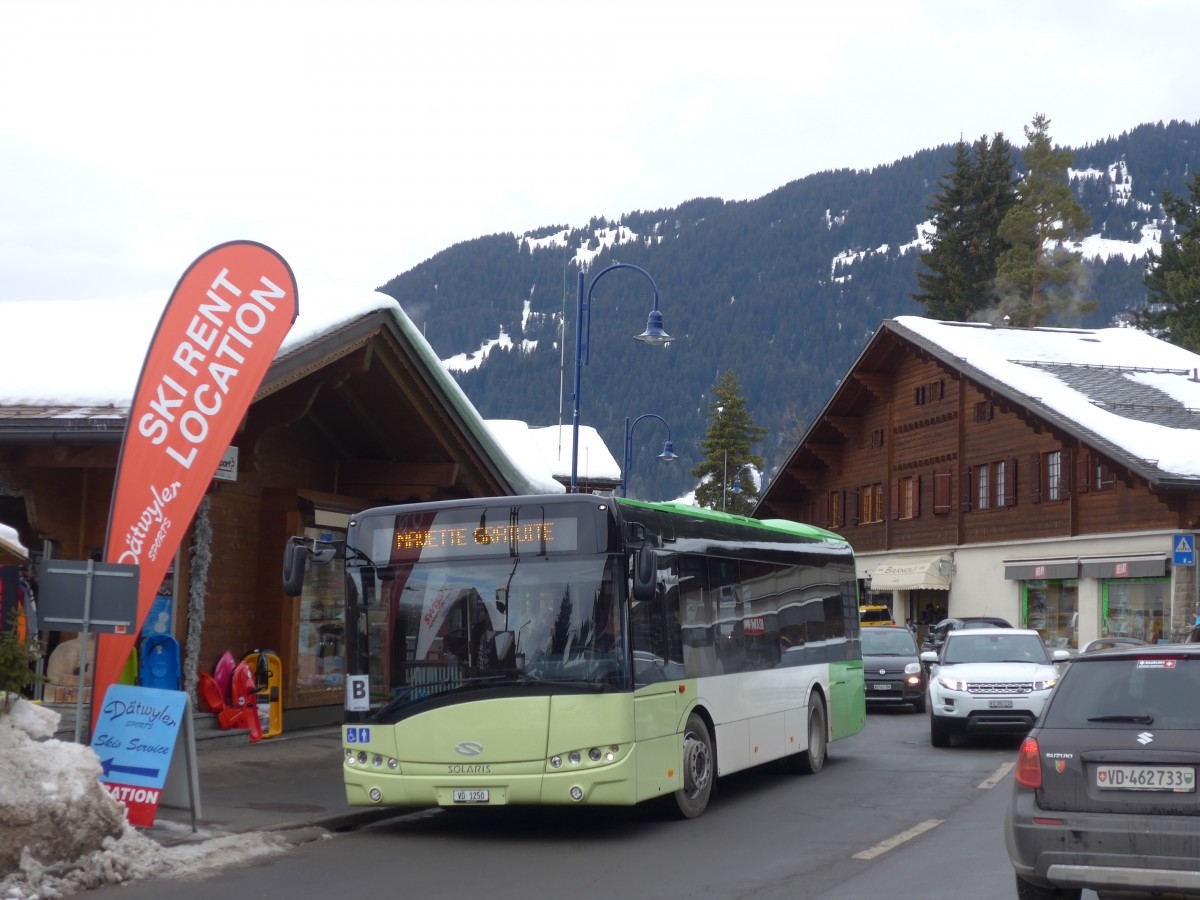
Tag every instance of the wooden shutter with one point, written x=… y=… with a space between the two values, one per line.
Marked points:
x=1035 y=478
x=916 y=510
x=965 y=497
x=854 y=514
x=894 y=500
x=1083 y=472
x=1010 y=483
x=1066 y=468
x=941 y=492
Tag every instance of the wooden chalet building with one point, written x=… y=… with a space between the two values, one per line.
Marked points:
x=356 y=410
x=1047 y=476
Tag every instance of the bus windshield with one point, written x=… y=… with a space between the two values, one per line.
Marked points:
x=428 y=629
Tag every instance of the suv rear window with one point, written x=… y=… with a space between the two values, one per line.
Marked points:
x=1127 y=693
x=876 y=614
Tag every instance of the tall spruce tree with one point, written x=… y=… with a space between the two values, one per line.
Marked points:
x=1172 y=276
x=973 y=199
x=1037 y=275
x=726 y=446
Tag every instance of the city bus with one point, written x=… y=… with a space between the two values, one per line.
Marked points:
x=583 y=649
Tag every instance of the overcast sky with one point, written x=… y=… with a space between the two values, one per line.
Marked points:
x=360 y=139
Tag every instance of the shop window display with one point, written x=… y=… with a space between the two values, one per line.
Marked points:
x=1136 y=608
x=321 y=634
x=1052 y=608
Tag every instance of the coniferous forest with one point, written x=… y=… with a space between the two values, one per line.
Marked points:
x=784 y=291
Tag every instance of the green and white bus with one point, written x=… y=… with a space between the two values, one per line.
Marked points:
x=580 y=649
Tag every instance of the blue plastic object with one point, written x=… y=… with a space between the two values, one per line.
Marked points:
x=160 y=667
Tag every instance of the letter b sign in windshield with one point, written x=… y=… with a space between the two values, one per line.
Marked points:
x=357 y=695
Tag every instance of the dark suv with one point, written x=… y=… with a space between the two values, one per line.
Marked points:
x=1105 y=795
x=937 y=634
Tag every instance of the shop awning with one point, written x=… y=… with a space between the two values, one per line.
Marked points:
x=1040 y=569
x=1148 y=566
x=913 y=573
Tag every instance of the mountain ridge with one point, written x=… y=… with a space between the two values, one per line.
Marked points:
x=784 y=290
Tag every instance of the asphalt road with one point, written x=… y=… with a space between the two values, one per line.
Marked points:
x=888 y=817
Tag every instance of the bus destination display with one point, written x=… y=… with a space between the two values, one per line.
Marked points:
x=441 y=541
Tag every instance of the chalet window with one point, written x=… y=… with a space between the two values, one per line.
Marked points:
x=872 y=503
x=1106 y=480
x=908 y=496
x=1049 y=475
x=991 y=485
x=937 y=390
x=921 y=395
x=875 y=440
x=836 y=509
x=983 y=411
x=1008 y=475
x=941 y=493
x=1054 y=474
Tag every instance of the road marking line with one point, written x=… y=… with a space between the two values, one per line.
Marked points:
x=997 y=776
x=892 y=842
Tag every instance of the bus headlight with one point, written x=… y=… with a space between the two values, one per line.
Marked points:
x=574 y=758
x=556 y=762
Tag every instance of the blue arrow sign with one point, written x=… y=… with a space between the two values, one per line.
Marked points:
x=109 y=766
x=135 y=734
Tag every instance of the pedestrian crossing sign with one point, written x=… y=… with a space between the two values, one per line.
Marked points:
x=1185 y=549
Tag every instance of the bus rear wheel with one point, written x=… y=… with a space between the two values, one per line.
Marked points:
x=811 y=760
x=699 y=769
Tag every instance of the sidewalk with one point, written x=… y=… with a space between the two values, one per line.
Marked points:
x=288 y=782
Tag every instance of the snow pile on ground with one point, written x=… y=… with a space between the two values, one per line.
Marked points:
x=63 y=832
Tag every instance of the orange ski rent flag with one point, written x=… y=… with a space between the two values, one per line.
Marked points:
x=217 y=337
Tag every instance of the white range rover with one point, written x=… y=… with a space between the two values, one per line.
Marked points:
x=988 y=681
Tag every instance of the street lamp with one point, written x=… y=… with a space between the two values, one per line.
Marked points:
x=668 y=454
x=654 y=334
x=736 y=488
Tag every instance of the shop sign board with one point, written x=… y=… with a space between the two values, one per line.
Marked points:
x=136 y=739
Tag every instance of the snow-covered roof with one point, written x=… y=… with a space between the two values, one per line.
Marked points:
x=80 y=359
x=1120 y=389
x=10 y=544
x=552 y=445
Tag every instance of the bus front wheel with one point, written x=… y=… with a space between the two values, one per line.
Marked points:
x=811 y=760
x=698 y=769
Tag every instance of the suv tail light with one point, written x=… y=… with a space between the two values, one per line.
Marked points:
x=1029 y=764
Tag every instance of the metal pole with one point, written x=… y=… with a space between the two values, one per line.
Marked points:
x=628 y=458
x=83 y=649
x=575 y=396
x=725 y=482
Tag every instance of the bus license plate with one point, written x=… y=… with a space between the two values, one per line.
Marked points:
x=1180 y=779
x=999 y=704
x=475 y=796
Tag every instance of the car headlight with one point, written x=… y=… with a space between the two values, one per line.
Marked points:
x=951 y=683
x=912 y=668
x=1045 y=684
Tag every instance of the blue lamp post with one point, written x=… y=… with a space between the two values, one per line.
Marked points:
x=654 y=334
x=668 y=454
x=736 y=487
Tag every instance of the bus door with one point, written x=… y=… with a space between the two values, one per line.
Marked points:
x=654 y=629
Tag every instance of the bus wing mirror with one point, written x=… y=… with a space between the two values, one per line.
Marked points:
x=295 y=558
x=296 y=555
x=635 y=534
x=645 y=574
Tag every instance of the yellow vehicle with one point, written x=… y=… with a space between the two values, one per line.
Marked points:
x=875 y=615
